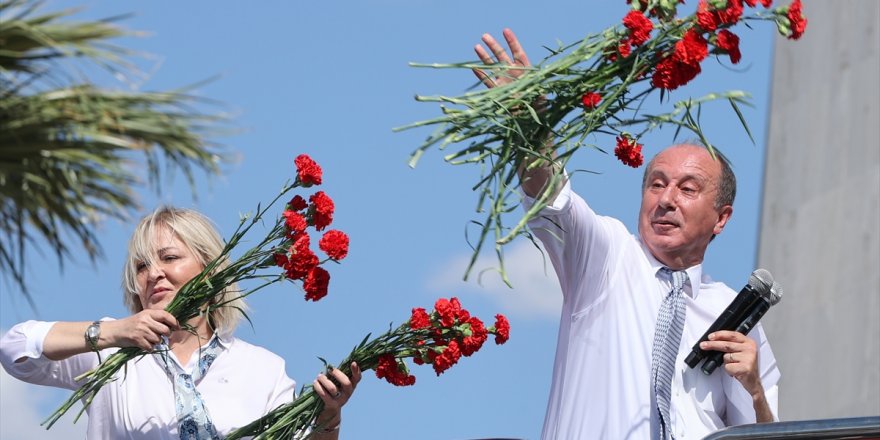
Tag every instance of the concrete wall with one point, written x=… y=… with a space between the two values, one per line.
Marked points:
x=820 y=223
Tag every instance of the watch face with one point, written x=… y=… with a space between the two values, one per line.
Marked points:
x=93 y=331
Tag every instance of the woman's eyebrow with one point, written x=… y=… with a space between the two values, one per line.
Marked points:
x=165 y=249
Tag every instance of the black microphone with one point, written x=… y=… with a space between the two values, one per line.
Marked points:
x=757 y=288
x=716 y=358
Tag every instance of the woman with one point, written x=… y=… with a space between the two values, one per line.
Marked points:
x=199 y=383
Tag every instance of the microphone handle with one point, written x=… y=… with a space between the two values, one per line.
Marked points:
x=741 y=305
x=716 y=358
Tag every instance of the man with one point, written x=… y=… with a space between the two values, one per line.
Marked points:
x=625 y=296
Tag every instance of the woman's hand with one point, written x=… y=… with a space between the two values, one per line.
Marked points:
x=143 y=330
x=335 y=393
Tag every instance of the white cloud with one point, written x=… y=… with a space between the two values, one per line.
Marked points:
x=21 y=412
x=535 y=291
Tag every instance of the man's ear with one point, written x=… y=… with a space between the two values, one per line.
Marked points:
x=723 y=216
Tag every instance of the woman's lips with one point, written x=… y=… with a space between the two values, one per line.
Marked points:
x=159 y=293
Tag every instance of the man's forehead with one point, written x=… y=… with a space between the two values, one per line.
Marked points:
x=684 y=161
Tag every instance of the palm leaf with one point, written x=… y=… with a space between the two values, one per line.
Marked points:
x=71 y=153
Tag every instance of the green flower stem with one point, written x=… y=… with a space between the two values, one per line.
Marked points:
x=294 y=419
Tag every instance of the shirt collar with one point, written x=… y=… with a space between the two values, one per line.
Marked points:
x=162 y=351
x=695 y=273
x=224 y=338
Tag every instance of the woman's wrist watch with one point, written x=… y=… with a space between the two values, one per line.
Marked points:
x=93 y=332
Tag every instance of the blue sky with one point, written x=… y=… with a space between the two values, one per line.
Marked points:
x=331 y=79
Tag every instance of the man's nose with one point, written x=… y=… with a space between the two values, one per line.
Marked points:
x=667 y=197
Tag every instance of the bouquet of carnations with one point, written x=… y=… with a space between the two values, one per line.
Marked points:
x=286 y=247
x=596 y=86
x=439 y=338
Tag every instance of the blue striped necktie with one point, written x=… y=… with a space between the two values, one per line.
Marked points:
x=667 y=337
x=193 y=420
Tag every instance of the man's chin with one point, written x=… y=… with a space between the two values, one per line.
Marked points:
x=663 y=239
x=661 y=245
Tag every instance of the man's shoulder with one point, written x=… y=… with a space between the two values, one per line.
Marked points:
x=708 y=283
x=716 y=288
x=569 y=204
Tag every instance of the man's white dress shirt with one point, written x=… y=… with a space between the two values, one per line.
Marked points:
x=244 y=383
x=612 y=292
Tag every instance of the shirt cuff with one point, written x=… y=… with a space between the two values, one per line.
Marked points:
x=558 y=205
x=33 y=346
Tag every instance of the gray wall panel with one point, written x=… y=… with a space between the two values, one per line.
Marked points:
x=820 y=221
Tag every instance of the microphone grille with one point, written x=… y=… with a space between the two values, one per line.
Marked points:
x=775 y=293
x=762 y=281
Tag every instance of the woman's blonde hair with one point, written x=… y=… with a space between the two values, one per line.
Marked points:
x=200 y=236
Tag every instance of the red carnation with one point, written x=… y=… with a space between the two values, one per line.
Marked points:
x=766 y=3
x=294 y=221
x=446 y=311
x=624 y=48
x=639 y=27
x=471 y=344
x=297 y=203
x=502 y=329
x=732 y=13
x=664 y=75
x=389 y=369
x=729 y=42
x=460 y=313
x=301 y=259
x=315 y=283
x=591 y=100
x=671 y=73
x=322 y=210
x=691 y=49
x=335 y=244
x=280 y=260
x=706 y=19
x=629 y=152
x=797 y=20
x=385 y=366
x=308 y=172
x=684 y=64
x=449 y=357
x=419 y=319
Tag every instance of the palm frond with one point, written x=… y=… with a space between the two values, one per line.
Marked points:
x=71 y=153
